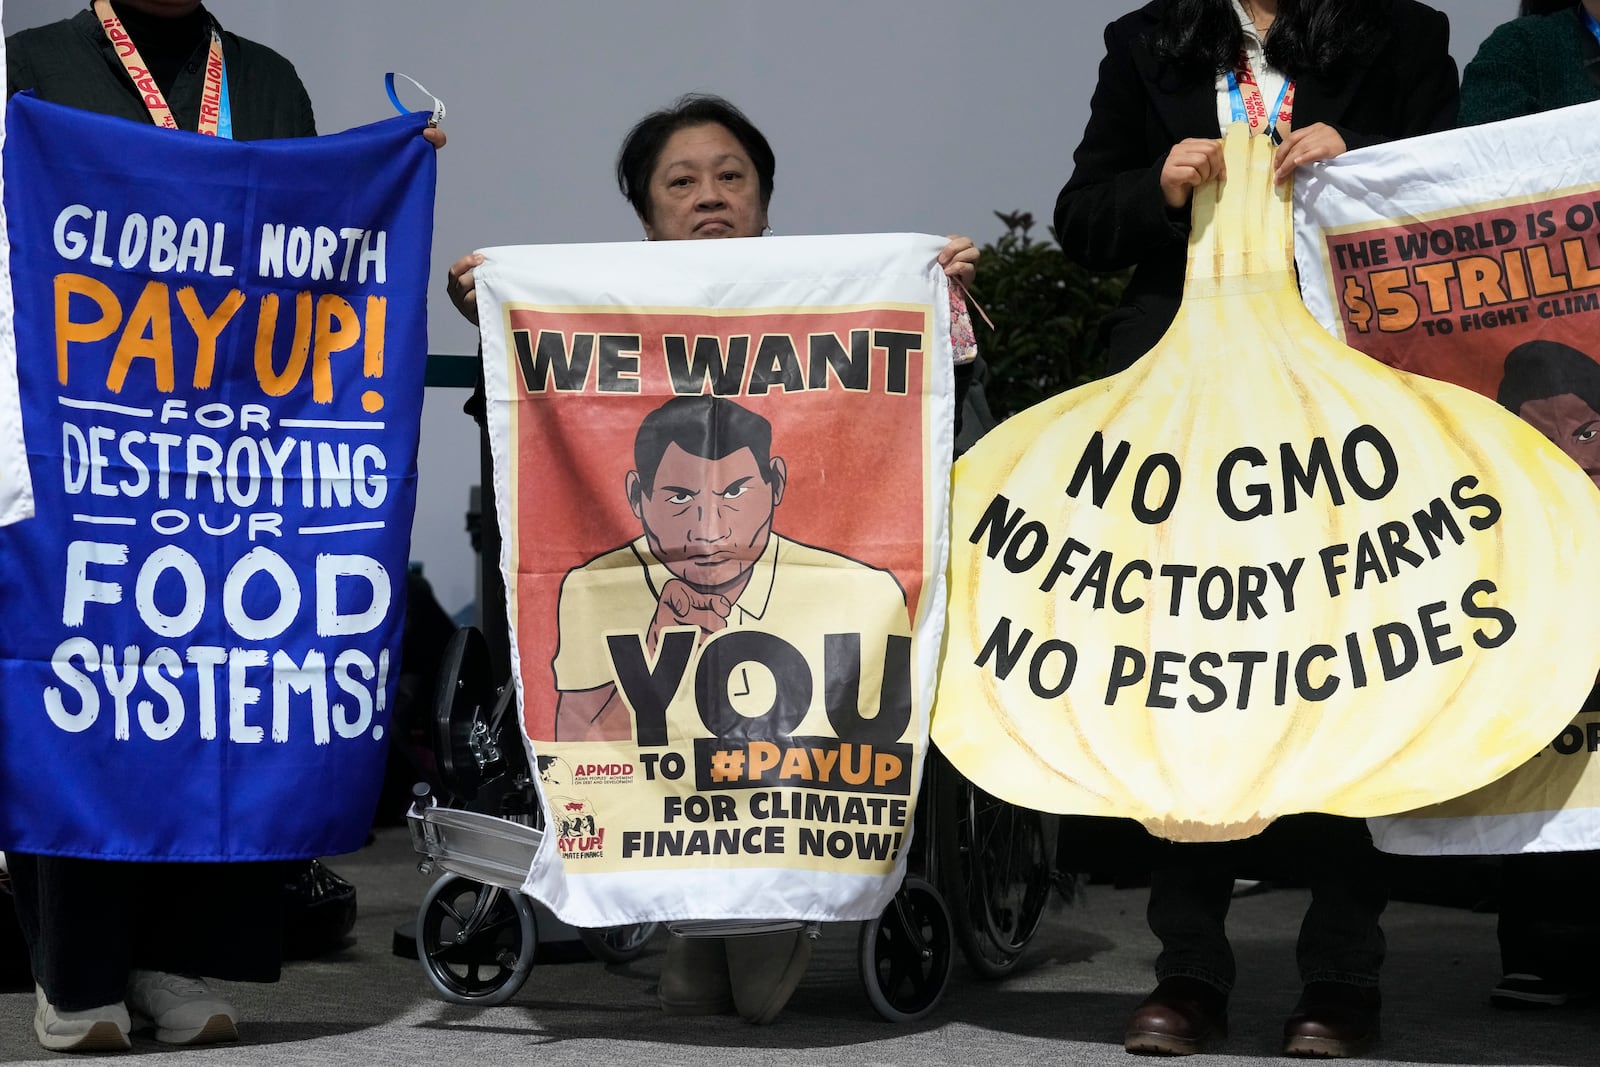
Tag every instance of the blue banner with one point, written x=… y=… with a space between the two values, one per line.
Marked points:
x=220 y=351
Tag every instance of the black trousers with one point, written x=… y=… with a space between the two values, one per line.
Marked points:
x=1547 y=926
x=88 y=923
x=1341 y=939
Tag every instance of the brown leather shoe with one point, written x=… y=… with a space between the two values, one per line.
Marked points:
x=1181 y=1016
x=1332 y=1019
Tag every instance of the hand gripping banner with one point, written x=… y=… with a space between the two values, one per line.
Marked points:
x=1473 y=256
x=221 y=351
x=721 y=473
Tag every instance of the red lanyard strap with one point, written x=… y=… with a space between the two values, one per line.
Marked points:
x=1251 y=106
x=211 y=93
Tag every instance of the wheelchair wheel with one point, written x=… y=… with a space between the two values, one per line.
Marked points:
x=905 y=953
x=475 y=941
x=996 y=862
x=618 y=944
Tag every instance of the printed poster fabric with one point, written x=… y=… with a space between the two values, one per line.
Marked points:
x=721 y=470
x=221 y=355
x=16 y=491
x=1474 y=256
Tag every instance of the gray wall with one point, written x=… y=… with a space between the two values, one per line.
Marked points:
x=886 y=116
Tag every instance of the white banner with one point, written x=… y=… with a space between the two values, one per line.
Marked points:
x=722 y=476
x=1474 y=256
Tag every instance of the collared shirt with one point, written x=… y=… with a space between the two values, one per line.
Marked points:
x=796 y=592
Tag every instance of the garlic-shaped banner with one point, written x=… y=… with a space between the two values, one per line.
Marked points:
x=1260 y=573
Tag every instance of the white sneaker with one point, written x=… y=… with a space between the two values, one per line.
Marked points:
x=102 y=1029
x=184 y=1011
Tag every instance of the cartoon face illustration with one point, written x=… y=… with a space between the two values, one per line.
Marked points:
x=1555 y=388
x=704 y=489
x=708 y=520
x=1571 y=425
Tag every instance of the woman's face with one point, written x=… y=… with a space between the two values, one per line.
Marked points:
x=1571 y=424
x=704 y=185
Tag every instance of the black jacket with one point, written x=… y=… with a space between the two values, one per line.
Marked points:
x=1110 y=215
x=72 y=62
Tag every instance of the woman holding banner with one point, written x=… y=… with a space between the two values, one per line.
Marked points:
x=121 y=945
x=1548 y=57
x=1318 y=77
x=107 y=938
x=696 y=170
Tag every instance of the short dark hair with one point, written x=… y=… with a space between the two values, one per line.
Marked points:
x=710 y=427
x=1537 y=369
x=641 y=149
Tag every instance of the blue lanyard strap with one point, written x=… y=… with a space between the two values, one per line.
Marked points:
x=1236 y=99
x=225 y=105
x=437 y=115
x=1589 y=21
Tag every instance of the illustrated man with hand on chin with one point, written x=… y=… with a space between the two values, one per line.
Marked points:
x=705 y=487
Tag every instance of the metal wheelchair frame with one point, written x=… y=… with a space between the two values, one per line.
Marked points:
x=477 y=934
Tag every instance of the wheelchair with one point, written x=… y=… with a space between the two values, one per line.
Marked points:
x=985 y=869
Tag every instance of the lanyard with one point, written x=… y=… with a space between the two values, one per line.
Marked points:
x=1248 y=106
x=1589 y=21
x=437 y=114
x=216 y=113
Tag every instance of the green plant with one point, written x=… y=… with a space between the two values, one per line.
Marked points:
x=1045 y=309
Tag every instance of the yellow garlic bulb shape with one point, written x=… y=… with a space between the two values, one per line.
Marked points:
x=1259 y=573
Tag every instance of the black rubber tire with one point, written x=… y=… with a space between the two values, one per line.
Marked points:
x=905 y=953
x=489 y=964
x=996 y=866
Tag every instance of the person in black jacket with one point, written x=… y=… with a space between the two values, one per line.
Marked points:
x=1363 y=72
x=1318 y=77
x=105 y=937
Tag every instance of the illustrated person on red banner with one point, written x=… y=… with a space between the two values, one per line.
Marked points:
x=1556 y=389
x=705 y=488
